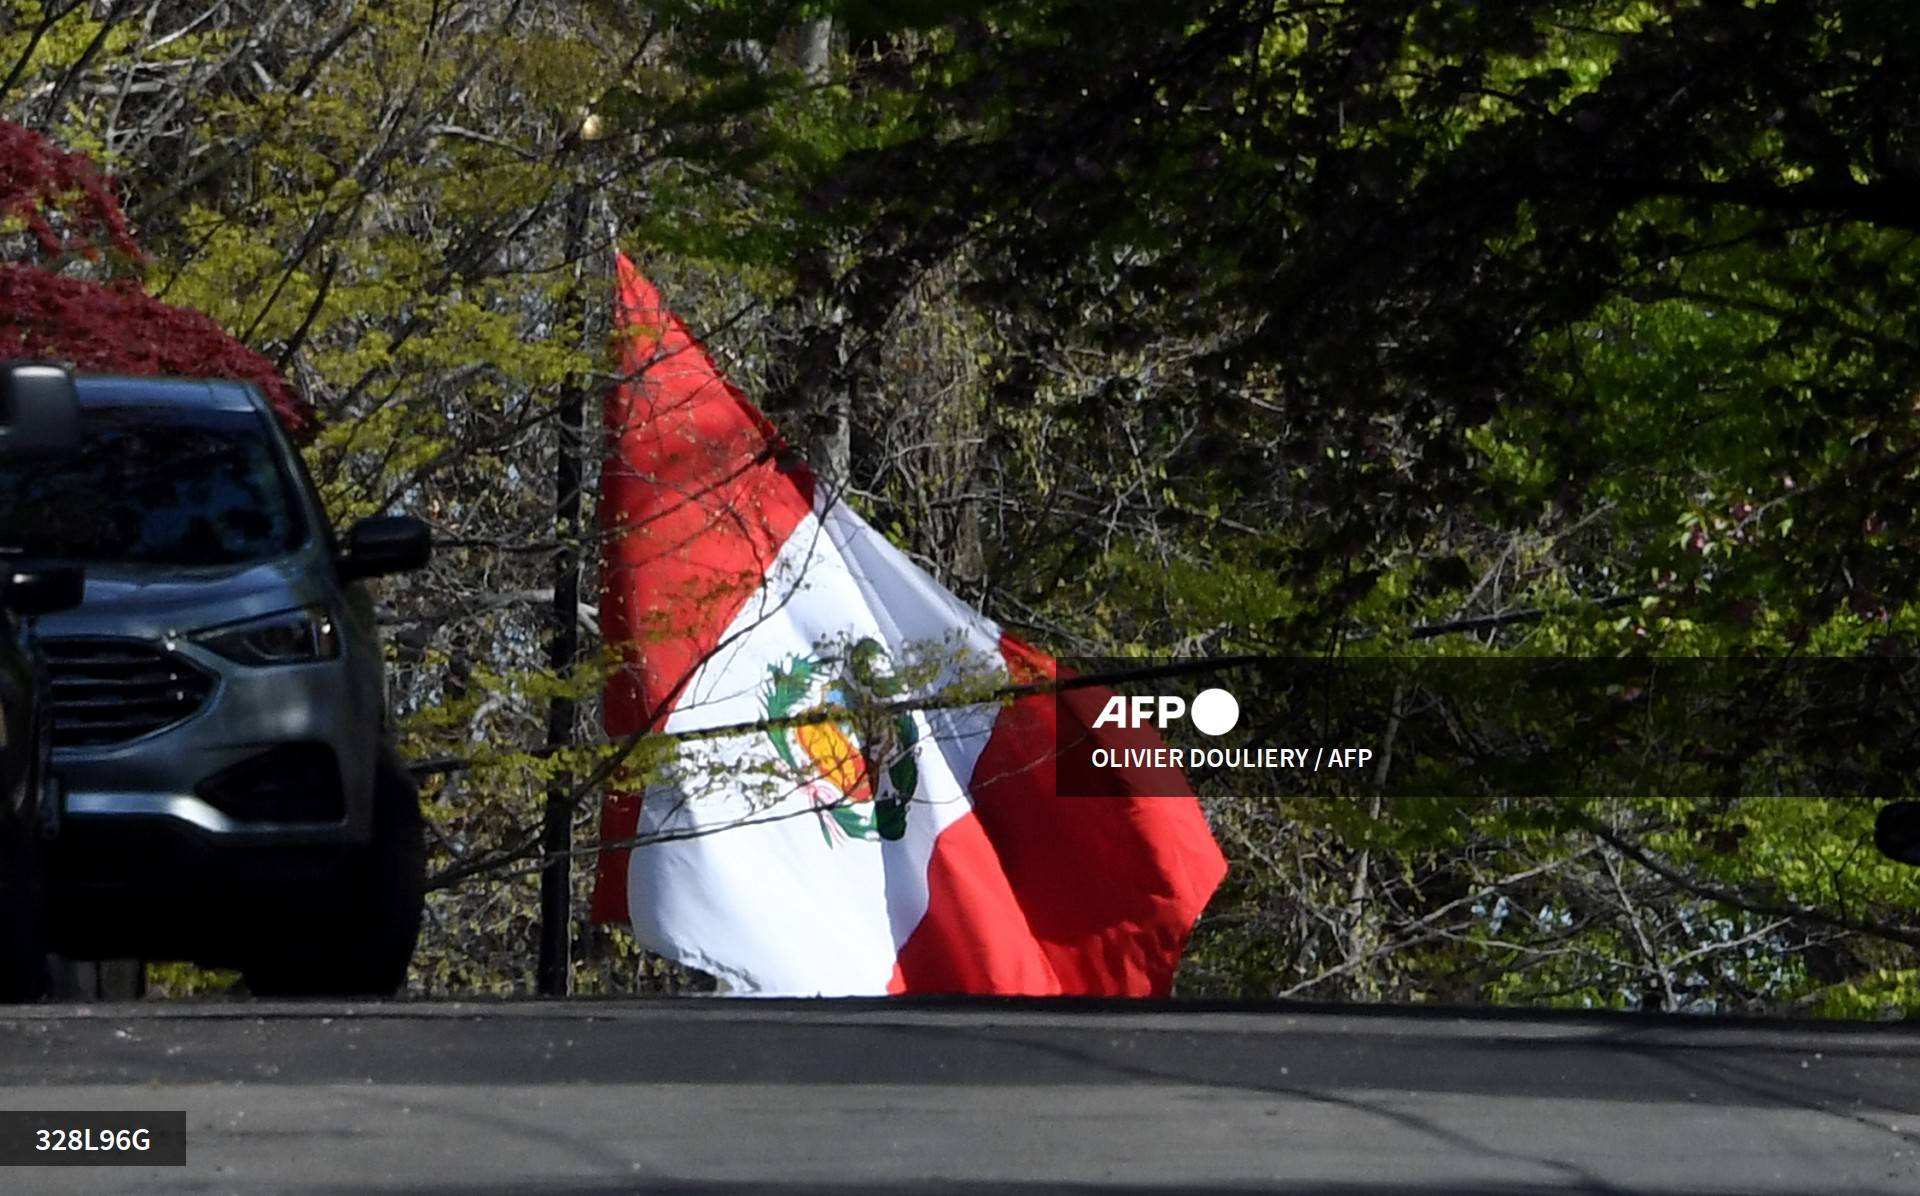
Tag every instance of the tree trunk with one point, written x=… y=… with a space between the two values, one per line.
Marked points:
x=809 y=47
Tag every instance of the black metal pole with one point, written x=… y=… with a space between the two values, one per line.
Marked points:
x=555 y=974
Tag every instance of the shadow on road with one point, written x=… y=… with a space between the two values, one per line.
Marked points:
x=990 y=1044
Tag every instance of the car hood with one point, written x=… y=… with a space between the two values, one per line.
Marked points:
x=159 y=602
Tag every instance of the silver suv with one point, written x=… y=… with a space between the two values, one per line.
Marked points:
x=219 y=718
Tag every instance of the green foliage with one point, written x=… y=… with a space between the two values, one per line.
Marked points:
x=1291 y=310
x=1185 y=327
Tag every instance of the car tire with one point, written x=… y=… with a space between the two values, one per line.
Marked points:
x=358 y=939
x=23 y=946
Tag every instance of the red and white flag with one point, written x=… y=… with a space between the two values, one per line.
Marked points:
x=896 y=850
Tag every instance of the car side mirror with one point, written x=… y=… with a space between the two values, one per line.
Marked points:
x=1896 y=832
x=43 y=589
x=39 y=412
x=385 y=544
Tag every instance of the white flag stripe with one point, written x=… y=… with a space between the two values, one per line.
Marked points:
x=780 y=901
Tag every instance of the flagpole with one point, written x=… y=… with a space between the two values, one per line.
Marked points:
x=555 y=973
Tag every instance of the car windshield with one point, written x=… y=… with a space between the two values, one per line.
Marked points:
x=154 y=485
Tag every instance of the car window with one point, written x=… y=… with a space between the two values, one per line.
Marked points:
x=155 y=485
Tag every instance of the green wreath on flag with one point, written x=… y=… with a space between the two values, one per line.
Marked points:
x=860 y=777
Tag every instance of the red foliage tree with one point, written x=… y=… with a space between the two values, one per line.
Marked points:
x=42 y=184
x=69 y=209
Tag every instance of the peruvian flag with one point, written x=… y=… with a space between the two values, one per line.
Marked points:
x=889 y=847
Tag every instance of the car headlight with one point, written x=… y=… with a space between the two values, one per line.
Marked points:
x=290 y=637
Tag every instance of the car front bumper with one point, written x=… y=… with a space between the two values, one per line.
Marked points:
x=272 y=756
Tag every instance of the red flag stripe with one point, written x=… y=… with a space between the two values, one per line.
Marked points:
x=1041 y=894
x=697 y=495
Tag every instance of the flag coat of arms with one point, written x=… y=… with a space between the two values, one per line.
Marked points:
x=842 y=838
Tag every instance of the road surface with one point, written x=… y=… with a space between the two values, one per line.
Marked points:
x=797 y=1099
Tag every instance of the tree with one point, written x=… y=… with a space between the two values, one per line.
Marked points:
x=1211 y=326
x=68 y=212
x=1335 y=320
x=374 y=198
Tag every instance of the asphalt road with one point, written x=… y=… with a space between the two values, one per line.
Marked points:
x=799 y=1099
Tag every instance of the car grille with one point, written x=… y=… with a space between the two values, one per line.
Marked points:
x=111 y=691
